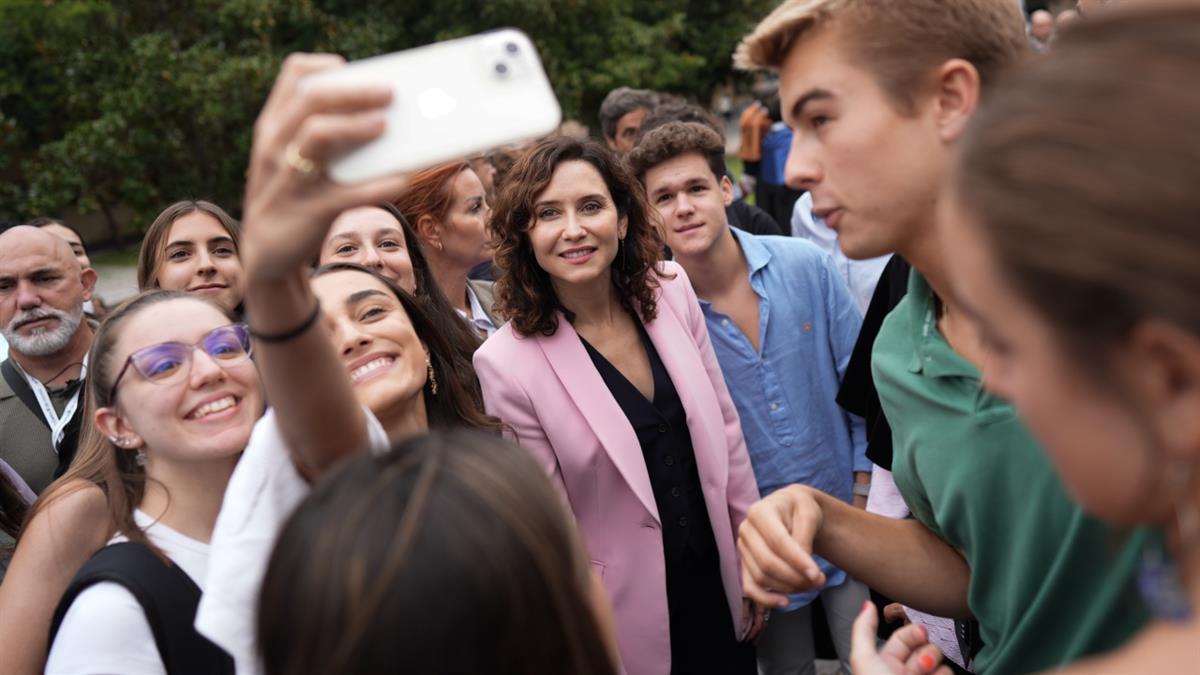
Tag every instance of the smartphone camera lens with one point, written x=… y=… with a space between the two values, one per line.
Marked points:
x=501 y=69
x=511 y=48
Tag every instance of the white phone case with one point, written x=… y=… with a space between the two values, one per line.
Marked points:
x=452 y=99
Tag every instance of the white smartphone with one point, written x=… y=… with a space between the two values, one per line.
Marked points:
x=451 y=100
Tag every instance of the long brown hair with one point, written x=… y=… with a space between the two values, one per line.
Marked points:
x=154 y=245
x=450 y=554
x=1081 y=171
x=458 y=401
x=524 y=292
x=98 y=461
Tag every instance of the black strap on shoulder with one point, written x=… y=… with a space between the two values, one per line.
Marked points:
x=21 y=388
x=66 y=449
x=168 y=597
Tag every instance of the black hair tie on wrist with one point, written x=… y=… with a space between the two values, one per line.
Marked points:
x=291 y=334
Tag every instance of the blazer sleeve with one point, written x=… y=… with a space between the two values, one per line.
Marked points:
x=505 y=398
x=742 y=489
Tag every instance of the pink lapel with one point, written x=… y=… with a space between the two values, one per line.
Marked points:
x=574 y=368
x=682 y=360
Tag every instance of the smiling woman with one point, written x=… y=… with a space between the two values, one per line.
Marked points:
x=173 y=396
x=620 y=399
x=193 y=246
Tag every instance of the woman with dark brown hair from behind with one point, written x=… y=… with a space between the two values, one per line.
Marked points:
x=1072 y=228
x=606 y=374
x=451 y=554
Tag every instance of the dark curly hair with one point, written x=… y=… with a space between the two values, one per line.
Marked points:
x=524 y=293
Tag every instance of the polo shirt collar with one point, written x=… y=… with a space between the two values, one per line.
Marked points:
x=933 y=355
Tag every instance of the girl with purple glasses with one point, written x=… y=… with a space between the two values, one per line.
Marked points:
x=173 y=396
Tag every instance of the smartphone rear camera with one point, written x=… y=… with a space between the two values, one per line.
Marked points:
x=502 y=69
x=512 y=48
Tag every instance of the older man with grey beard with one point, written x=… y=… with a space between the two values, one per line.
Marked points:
x=42 y=291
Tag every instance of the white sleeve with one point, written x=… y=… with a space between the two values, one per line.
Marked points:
x=262 y=493
x=104 y=631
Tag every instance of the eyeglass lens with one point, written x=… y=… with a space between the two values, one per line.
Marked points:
x=160 y=362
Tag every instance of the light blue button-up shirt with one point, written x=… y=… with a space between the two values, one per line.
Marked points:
x=786 y=393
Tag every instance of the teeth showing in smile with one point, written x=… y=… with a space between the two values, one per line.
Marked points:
x=577 y=254
x=214 y=407
x=368 y=368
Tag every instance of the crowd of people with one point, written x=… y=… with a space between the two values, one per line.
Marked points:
x=578 y=406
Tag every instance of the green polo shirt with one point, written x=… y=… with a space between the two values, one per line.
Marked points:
x=1049 y=584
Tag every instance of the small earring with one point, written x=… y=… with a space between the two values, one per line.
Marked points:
x=431 y=375
x=140 y=457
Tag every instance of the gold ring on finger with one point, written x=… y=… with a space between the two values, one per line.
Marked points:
x=301 y=164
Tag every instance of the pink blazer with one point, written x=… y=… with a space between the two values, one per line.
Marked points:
x=550 y=393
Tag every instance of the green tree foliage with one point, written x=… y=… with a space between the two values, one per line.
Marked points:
x=137 y=103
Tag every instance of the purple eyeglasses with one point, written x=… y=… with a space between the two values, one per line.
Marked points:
x=168 y=362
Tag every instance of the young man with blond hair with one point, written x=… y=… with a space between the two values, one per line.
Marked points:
x=878 y=95
x=783 y=325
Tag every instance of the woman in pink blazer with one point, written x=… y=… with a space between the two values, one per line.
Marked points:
x=605 y=373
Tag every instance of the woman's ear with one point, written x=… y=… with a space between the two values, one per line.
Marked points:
x=622 y=227
x=429 y=231
x=1164 y=367
x=112 y=424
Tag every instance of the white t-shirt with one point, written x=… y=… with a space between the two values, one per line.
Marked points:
x=105 y=630
x=262 y=493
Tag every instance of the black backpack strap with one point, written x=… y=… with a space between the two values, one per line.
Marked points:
x=20 y=387
x=168 y=597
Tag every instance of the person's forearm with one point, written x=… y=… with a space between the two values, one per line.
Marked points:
x=306 y=383
x=901 y=559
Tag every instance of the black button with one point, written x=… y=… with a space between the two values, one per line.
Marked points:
x=675 y=492
x=662 y=428
x=683 y=521
x=669 y=460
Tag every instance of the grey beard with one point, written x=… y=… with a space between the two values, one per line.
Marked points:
x=43 y=343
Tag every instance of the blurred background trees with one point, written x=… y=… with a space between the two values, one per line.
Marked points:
x=119 y=108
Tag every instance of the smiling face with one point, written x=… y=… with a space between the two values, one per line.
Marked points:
x=874 y=173
x=375 y=338
x=691 y=201
x=371 y=237
x=201 y=257
x=206 y=415
x=576 y=228
x=1103 y=450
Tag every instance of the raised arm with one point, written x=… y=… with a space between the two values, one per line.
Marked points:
x=290 y=204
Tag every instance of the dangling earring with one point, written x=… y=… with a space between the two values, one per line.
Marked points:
x=431 y=375
x=140 y=457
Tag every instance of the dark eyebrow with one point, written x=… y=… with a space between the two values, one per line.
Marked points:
x=358 y=296
x=220 y=240
x=814 y=94
x=389 y=230
x=180 y=242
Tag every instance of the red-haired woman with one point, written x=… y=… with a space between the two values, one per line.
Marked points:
x=447 y=205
